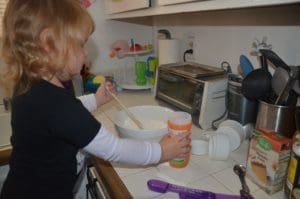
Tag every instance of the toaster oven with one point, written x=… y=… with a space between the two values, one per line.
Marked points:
x=194 y=88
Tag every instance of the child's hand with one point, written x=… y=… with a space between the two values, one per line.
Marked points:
x=102 y=95
x=175 y=146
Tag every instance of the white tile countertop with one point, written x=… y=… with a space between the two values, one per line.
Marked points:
x=201 y=172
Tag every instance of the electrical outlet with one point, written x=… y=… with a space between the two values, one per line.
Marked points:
x=190 y=41
x=189 y=57
x=190 y=45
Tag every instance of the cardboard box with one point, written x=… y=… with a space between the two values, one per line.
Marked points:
x=268 y=158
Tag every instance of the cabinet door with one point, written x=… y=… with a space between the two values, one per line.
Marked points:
x=169 y=2
x=117 y=6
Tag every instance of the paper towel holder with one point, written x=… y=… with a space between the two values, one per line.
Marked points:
x=165 y=32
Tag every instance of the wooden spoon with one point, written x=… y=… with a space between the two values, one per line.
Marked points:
x=131 y=116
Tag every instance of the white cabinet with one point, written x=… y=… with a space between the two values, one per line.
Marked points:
x=169 y=2
x=197 y=6
x=117 y=6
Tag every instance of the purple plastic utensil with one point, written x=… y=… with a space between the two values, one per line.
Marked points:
x=188 y=193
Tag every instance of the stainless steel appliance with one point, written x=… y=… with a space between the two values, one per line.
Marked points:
x=194 y=88
x=239 y=107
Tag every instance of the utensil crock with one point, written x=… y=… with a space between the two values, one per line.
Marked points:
x=276 y=118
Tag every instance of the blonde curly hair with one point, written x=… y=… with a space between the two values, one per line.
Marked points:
x=22 y=51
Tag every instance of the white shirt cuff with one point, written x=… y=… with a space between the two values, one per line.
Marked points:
x=88 y=101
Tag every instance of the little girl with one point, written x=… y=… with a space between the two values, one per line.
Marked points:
x=43 y=46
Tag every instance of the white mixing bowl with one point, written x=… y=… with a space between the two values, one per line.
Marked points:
x=153 y=118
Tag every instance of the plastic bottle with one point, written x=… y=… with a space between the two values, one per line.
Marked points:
x=152 y=63
x=292 y=185
x=179 y=122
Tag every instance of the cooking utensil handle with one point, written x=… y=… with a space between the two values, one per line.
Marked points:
x=274 y=59
x=240 y=171
x=264 y=63
x=132 y=117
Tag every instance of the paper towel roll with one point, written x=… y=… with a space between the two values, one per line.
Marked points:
x=168 y=51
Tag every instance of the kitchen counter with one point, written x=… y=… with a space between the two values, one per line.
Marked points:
x=4 y=155
x=201 y=172
x=125 y=181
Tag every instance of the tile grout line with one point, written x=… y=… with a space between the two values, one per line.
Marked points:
x=221 y=183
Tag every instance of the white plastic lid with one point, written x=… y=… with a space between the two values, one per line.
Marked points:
x=199 y=147
x=180 y=118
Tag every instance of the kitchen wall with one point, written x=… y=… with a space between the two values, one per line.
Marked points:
x=214 y=44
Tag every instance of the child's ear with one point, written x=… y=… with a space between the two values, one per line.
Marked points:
x=44 y=39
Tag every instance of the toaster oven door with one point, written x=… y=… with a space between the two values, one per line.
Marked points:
x=182 y=92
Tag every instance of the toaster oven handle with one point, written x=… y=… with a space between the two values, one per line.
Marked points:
x=171 y=78
x=196 y=107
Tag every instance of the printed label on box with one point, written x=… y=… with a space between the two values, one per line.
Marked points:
x=268 y=158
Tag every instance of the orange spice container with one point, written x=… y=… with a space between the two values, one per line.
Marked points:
x=179 y=122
